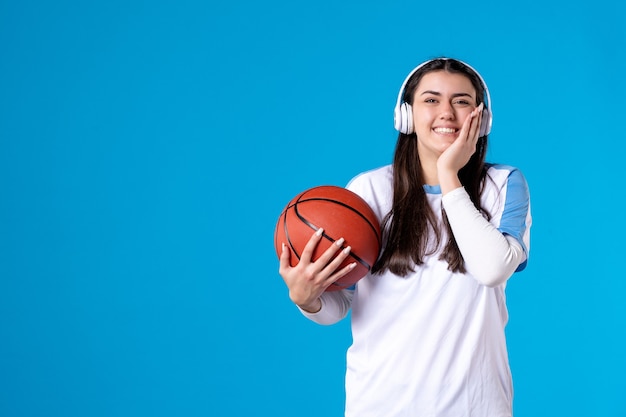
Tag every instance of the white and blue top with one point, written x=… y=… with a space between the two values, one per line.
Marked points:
x=433 y=343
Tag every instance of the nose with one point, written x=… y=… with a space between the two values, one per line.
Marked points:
x=447 y=111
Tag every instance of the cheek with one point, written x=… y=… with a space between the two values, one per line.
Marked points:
x=422 y=117
x=464 y=114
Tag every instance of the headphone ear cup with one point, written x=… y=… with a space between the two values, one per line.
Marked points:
x=407 y=118
x=403 y=118
x=485 y=124
x=397 y=118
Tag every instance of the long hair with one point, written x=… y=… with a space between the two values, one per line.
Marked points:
x=408 y=225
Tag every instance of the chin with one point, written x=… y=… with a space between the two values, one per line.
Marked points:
x=445 y=146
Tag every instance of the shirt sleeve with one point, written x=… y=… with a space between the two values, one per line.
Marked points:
x=490 y=256
x=335 y=306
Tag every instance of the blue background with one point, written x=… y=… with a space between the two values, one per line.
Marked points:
x=147 y=148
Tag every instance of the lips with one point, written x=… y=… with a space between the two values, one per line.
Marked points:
x=445 y=130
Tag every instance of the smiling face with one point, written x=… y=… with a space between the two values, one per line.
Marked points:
x=441 y=103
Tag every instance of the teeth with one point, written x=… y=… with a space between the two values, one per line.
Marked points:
x=445 y=130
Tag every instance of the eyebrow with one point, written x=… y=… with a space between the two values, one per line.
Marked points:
x=436 y=93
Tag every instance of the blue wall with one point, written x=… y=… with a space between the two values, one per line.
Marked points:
x=147 y=148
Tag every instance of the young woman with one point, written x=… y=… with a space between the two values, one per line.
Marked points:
x=428 y=320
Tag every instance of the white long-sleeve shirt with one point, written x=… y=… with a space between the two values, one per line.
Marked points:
x=432 y=343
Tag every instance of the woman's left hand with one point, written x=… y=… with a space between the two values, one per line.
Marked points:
x=461 y=150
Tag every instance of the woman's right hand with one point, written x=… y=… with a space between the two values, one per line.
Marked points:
x=309 y=279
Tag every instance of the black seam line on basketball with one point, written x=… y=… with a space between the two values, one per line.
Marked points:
x=291 y=245
x=289 y=242
x=346 y=206
x=312 y=226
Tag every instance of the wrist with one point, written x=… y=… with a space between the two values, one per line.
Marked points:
x=449 y=182
x=312 y=308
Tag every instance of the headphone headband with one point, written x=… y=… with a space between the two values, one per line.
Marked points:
x=403 y=113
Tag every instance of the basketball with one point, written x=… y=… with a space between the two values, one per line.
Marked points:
x=341 y=213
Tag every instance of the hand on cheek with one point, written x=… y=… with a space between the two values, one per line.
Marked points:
x=461 y=150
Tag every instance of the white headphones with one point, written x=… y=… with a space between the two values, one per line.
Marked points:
x=403 y=113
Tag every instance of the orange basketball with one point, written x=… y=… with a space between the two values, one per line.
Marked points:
x=341 y=213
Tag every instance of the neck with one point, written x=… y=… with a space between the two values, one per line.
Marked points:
x=429 y=171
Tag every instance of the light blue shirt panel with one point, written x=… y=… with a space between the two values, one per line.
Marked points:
x=515 y=220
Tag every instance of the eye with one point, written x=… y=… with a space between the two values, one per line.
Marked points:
x=430 y=100
x=462 y=102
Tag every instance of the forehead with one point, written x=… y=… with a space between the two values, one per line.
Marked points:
x=445 y=83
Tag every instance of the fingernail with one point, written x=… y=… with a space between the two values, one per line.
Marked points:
x=319 y=232
x=352 y=265
x=339 y=242
x=283 y=247
x=347 y=250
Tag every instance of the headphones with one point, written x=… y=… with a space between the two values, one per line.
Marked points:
x=403 y=113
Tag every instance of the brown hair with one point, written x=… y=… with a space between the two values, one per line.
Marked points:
x=406 y=227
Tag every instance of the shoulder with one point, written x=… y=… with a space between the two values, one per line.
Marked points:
x=503 y=169
x=382 y=174
x=506 y=195
x=372 y=181
x=375 y=187
x=507 y=176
